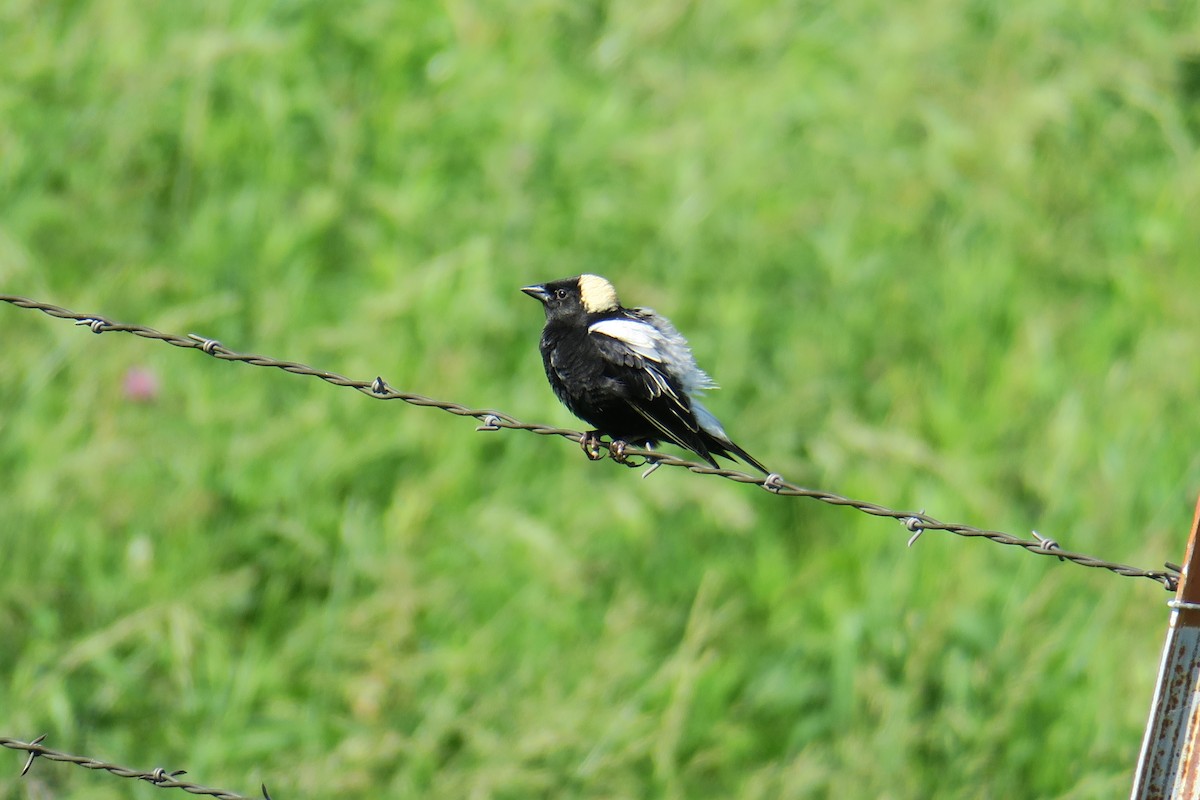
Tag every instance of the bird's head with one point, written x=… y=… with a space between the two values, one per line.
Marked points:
x=572 y=298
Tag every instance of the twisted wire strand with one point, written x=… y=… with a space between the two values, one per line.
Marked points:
x=159 y=777
x=491 y=420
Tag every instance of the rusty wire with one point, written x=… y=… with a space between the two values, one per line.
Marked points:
x=159 y=776
x=915 y=522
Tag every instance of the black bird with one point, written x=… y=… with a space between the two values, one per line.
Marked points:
x=627 y=371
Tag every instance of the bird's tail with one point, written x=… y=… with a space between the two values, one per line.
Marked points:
x=744 y=456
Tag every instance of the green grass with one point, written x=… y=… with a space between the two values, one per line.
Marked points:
x=939 y=255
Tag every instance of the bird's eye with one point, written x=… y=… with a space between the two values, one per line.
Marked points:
x=561 y=294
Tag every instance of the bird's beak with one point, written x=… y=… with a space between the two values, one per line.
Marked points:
x=538 y=293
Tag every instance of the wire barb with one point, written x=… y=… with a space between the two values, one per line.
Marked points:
x=773 y=483
x=914 y=525
x=159 y=774
x=1048 y=545
x=490 y=422
x=591 y=444
x=97 y=324
x=208 y=346
x=32 y=754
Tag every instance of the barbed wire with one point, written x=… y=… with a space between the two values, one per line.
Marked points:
x=159 y=776
x=490 y=420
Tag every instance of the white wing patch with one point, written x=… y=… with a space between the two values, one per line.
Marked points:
x=640 y=337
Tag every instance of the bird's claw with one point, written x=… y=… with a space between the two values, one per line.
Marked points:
x=590 y=443
x=617 y=451
x=595 y=450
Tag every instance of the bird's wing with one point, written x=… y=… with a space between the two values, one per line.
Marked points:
x=661 y=380
x=632 y=339
x=653 y=390
x=674 y=347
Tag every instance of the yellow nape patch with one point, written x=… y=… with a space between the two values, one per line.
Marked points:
x=597 y=294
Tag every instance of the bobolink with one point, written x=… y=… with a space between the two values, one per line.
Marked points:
x=627 y=371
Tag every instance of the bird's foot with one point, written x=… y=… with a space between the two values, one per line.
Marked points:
x=590 y=442
x=617 y=450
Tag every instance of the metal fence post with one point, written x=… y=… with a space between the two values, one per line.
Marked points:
x=1169 y=766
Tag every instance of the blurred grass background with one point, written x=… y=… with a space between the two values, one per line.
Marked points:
x=939 y=255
